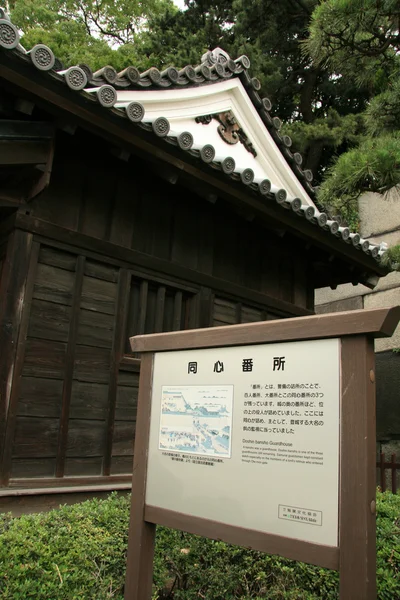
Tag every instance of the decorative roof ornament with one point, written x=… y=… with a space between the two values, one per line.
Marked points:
x=229 y=129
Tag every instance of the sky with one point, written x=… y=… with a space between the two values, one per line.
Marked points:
x=179 y=3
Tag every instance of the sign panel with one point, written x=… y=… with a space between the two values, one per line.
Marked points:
x=249 y=436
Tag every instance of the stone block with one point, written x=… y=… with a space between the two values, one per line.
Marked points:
x=379 y=213
x=355 y=303
x=386 y=298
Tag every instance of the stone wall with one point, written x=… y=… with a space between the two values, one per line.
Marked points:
x=380 y=222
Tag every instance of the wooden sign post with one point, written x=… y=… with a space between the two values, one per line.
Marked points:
x=261 y=435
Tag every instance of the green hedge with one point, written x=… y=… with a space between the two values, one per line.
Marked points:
x=79 y=552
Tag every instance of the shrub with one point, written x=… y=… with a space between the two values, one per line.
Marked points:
x=79 y=552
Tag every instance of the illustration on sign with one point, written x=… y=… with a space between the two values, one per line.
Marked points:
x=197 y=419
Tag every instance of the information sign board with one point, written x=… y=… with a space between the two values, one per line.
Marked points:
x=261 y=435
x=249 y=436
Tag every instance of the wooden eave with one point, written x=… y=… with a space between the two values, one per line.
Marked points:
x=30 y=146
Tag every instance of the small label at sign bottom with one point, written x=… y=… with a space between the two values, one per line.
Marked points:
x=300 y=515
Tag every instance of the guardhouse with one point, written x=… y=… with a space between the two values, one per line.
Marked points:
x=135 y=203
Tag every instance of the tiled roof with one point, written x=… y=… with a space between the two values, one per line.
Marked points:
x=103 y=85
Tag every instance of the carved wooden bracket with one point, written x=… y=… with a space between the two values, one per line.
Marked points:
x=229 y=129
x=26 y=160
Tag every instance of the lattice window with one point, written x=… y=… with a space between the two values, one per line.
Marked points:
x=157 y=307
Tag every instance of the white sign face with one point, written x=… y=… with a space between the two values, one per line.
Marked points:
x=249 y=436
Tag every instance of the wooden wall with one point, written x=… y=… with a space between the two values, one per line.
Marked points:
x=116 y=251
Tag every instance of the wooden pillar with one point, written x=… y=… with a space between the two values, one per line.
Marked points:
x=121 y=315
x=69 y=367
x=357 y=525
x=141 y=538
x=18 y=276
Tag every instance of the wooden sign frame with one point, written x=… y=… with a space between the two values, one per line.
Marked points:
x=355 y=556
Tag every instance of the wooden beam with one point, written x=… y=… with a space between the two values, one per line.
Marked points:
x=43 y=176
x=11 y=129
x=324 y=556
x=24 y=152
x=380 y=322
x=64 y=238
x=67 y=482
x=66 y=489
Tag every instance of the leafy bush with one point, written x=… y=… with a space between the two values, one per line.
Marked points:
x=79 y=552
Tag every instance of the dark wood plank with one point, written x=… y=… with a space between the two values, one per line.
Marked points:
x=128 y=375
x=162 y=221
x=144 y=287
x=99 y=295
x=192 y=308
x=252 y=249
x=357 y=529
x=205 y=239
x=151 y=309
x=49 y=321
x=160 y=304
x=224 y=312
x=123 y=212
x=95 y=329
x=286 y=279
x=141 y=537
x=83 y=466
x=54 y=285
x=380 y=322
x=69 y=366
x=142 y=230
x=126 y=405
x=324 y=556
x=91 y=364
x=18 y=152
x=227 y=252
x=124 y=437
x=301 y=284
x=33 y=468
x=177 y=318
x=205 y=308
x=116 y=353
x=67 y=186
x=40 y=397
x=88 y=401
x=125 y=257
x=97 y=196
x=86 y=438
x=44 y=358
x=101 y=270
x=121 y=464
x=35 y=438
x=25 y=258
x=184 y=247
x=57 y=258
x=250 y=315
x=269 y=275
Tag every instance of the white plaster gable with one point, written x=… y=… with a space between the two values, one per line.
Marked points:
x=182 y=106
